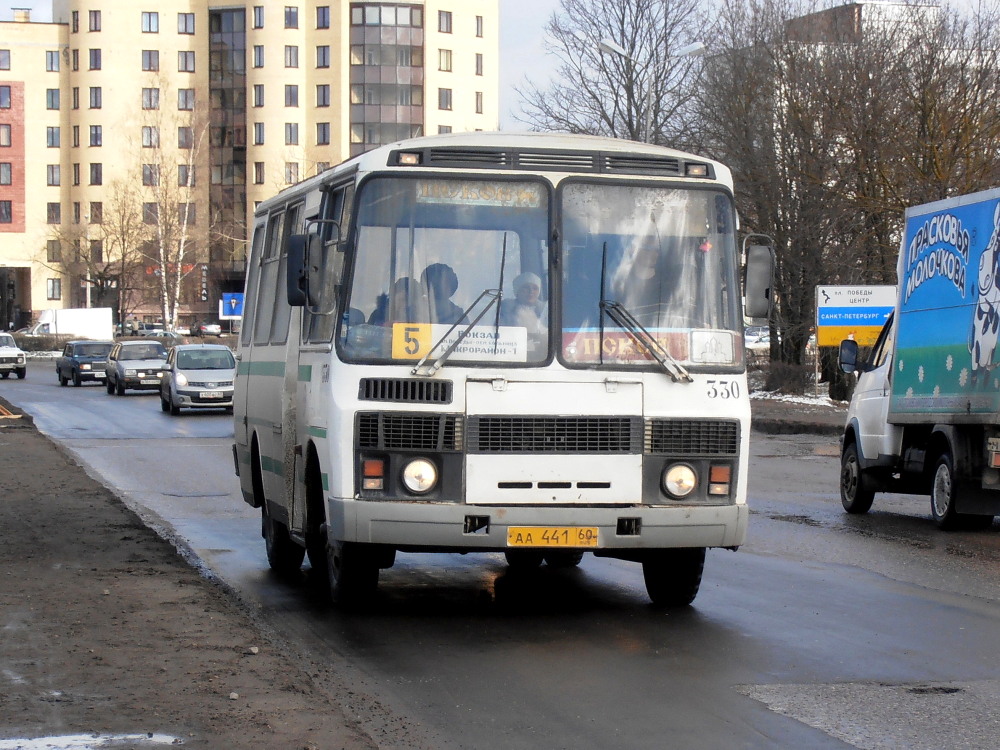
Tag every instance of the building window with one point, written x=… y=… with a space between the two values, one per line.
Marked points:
x=53 y=251
x=150 y=213
x=4 y=59
x=258 y=133
x=97 y=251
x=6 y=212
x=150 y=22
x=96 y=99
x=96 y=135
x=151 y=59
x=322 y=134
x=76 y=97
x=258 y=173
x=96 y=212
x=150 y=98
x=291 y=172
x=185 y=62
x=53 y=287
x=76 y=212
x=258 y=95
x=323 y=56
x=52 y=98
x=75 y=21
x=444 y=60
x=4 y=135
x=4 y=97
x=185 y=175
x=479 y=102
x=187 y=214
x=52 y=61
x=95 y=20
x=75 y=57
x=185 y=137
x=185 y=23
x=291 y=134
x=76 y=136
x=444 y=98
x=150 y=175
x=323 y=95
x=291 y=17
x=291 y=56
x=444 y=129
x=95 y=59
x=291 y=96
x=96 y=174
x=322 y=166
x=52 y=175
x=53 y=213
x=6 y=173
x=258 y=16
x=150 y=136
x=258 y=55
x=323 y=17
x=479 y=64
x=185 y=99
x=76 y=174
x=479 y=25
x=52 y=136
x=444 y=21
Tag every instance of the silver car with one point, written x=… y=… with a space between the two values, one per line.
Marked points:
x=136 y=365
x=198 y=376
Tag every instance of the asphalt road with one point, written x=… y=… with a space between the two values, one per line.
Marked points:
x=824 y=631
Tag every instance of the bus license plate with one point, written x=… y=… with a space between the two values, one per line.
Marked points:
x=210 y=394
x=552 y=536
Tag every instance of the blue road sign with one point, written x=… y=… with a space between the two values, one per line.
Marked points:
x=232 y=306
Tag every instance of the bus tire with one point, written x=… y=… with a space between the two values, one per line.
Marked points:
x=854 y=495
x=352 y=570
x=673 y=576
x=283 y=555
x=564 y=558
x=522 y=560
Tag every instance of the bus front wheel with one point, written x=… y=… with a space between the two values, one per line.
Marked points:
x=352 y=569
x=673 y=576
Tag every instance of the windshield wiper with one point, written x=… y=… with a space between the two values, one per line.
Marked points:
x=421 y=368
x=496 y=322
x=626 y=320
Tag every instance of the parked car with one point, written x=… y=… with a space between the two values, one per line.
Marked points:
x=83 y=361
x=206 y=329
x=12 y=359
x=136 y=365
x=172 y=336
x=198 y=376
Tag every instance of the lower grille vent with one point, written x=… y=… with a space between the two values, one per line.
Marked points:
x=409 y=390
x=595 y=435
x=399 y=431
x=693 y=437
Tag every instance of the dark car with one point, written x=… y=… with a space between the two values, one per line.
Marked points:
x=198 y=376
x=136 y=365
x=83 y=361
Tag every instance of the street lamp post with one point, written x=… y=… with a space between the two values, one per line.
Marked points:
x=695 y=49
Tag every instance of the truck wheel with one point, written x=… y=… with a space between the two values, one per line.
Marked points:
x=854 y=496
x=22 y=373
x=564 y=558
x=944 y=490
x=77 y=382
x=673 y=576
x=283 y=555
x=62 y=380
x=522 y=560
x=352 y=571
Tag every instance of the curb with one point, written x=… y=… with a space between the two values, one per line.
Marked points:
x=770 y=426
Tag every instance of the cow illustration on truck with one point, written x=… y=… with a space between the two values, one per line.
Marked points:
x=925 y=416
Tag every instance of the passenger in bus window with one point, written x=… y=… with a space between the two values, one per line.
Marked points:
x=396 y=306
x=526 y=310
x=440 y=282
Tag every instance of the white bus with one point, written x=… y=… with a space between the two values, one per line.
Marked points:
x=528 y=344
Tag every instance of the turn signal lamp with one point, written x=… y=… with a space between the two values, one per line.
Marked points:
x=696 y=170
x=719 y=479
x=373 y=474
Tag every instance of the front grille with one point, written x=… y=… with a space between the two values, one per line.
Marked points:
x=400 y=389
x=595 y=435
x=8 y=360
x=693 y=437
x=400 y=431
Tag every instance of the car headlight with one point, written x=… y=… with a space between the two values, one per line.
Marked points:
x=679 y=480
x=84 y=366
x=130 y=373
x=420 y=476
x=180 y=379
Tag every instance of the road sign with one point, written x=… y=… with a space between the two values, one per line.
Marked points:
x=856 y=312
x=231 y=306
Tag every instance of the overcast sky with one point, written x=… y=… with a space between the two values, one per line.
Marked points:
x=522 y=24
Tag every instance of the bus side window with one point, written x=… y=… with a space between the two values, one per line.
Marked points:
x=282 y=311
x=338 y=208
x=253 y=275
x=268 y=278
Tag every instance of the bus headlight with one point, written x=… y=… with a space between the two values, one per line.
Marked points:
x=420 y=476
x=679 y=480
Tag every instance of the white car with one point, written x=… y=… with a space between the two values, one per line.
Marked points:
x=12 y=359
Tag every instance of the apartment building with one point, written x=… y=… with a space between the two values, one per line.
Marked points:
x=118 y=111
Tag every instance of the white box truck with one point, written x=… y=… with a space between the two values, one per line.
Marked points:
x=80 y=322
x=925 y=416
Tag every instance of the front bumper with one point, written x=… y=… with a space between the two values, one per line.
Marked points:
x=439 y=526
x=195 y=399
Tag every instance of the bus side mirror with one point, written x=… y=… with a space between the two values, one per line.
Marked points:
x=757 y=287
x=300 y=249
x=848 y=355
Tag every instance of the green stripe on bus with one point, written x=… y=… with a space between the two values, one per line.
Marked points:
x=319 y=432
x=262 y=368
x=270 y=465
x=305 y=373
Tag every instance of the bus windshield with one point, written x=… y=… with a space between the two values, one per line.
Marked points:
x=430 y=255
x=666 y=256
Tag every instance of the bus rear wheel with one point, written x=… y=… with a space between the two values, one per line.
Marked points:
x=673 y=576
x=283 y=555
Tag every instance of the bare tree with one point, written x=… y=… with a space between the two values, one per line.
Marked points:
x=643 y=95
